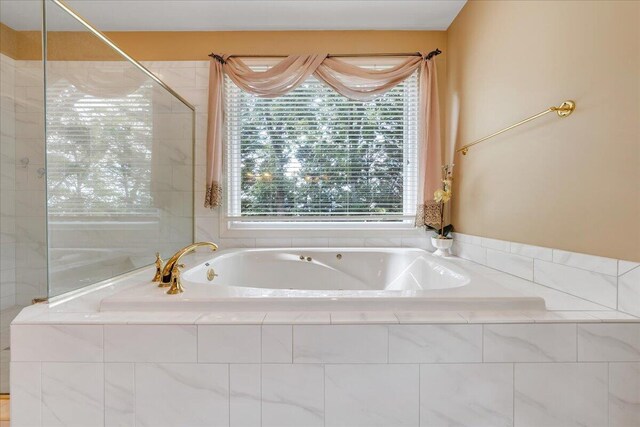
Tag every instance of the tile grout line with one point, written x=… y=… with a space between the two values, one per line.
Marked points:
x=419 y=394
x=292 y=345
x=41 y=393
x=513 y=396
x=577 y=331
x=104 y=382
x=324 y=394
x=388 y=344
x=482 y=343
x=135 y=395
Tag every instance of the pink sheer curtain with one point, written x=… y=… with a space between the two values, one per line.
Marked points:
x=351 y=81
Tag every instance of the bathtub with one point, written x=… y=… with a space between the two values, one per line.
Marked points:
x=325 y=279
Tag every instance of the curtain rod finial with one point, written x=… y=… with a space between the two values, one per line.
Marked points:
x=218 y=58
x=432 y=54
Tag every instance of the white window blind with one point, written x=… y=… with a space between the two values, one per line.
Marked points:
x=314 y=155
x=99 y=152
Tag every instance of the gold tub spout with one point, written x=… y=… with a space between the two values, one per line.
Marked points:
x=168 y=271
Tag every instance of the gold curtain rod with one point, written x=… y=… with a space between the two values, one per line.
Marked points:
x=337 y=55
x=564 y=110
x=332 y=55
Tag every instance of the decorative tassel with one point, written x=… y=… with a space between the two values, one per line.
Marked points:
x=213 y=196
x=428 y=214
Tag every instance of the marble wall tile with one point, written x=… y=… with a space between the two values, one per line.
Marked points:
x=626 y=266
x=8 y=257
x=26 y=394
x=478 y=395
x=293 y=395
x=119 y=395
x=371 y=395
x=362 y=317
x=340 y=344
x=417 y=242
x=545 y=254
x=312 y=242
x=346 y=242
x=378 y=242
x=471 y=252
x=495 y=244
x=596 y=287
x=178 y=77
x=561 y=394
x=624 y=394
x=417 y=317
x=232 y=318
x=496 y=316
x=468 y=238
x=273 y=243
x=73 y=394
x=229 y=344
x=609 y=342
x=612 y=316
x=435 y=343
x=277 y=344
x=598 y=264
x=202 y=78
x=227 y=243
x=56 y=343
x=150 y=343
x=245 y=395
x=517 y=265
x=629 y=291
x=179 y=395
x=297 y=318
x=561 y=316
x=530 y=343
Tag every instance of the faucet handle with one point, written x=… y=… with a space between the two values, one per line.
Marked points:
x=176 y=283
x=159 y=265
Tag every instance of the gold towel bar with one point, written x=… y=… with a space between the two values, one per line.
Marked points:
x=565 y=109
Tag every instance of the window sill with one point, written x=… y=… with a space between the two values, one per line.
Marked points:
x=237 y=229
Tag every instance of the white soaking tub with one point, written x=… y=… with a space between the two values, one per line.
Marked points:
x=325 y=279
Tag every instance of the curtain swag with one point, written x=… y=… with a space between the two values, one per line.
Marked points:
x=351 y=81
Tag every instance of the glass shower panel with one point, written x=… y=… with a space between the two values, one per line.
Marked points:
x=119 y=160
x=23 y=271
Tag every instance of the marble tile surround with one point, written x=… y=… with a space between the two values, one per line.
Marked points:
x=556 y=374
x=299 y=369
x=8 y=242
x=325 y=369
x=606 y=281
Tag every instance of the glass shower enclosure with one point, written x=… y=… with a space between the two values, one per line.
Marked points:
x=97 y=162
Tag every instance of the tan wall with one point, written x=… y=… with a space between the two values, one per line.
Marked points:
x=196 y=45
x=569 y=183
x=8 y=41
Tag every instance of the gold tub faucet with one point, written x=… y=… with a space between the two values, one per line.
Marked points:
x=169 y=271
x=158 y=277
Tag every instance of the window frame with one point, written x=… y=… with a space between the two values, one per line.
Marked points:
x=231 y=226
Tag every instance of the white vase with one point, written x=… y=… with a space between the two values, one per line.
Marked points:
x=443 y=246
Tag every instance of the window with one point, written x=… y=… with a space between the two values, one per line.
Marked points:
x=99 y=152
x=316 y=156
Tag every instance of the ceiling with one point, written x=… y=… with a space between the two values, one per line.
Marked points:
x=212 y=15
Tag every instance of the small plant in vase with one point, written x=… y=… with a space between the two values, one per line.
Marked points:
x=443 y=242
